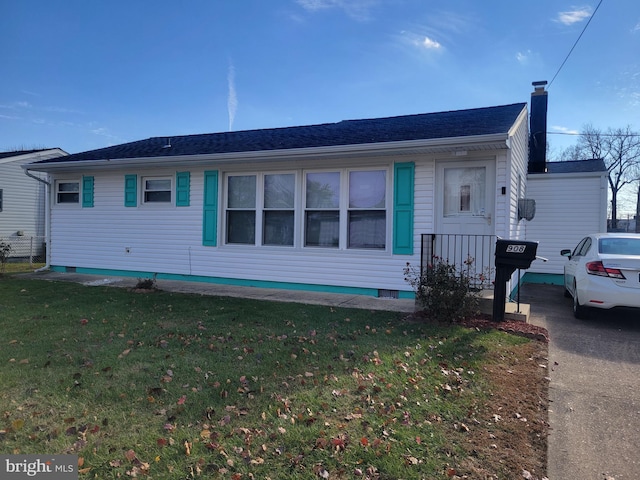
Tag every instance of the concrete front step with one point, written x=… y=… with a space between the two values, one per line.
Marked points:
x=512 y=310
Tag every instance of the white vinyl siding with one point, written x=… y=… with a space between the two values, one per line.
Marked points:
x=569 y=206
x=23 y=200
x=115 y=237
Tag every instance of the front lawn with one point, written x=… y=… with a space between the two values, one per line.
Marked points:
x=172 y=386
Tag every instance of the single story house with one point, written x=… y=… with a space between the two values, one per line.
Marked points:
x=23 y=200
x=337 y=207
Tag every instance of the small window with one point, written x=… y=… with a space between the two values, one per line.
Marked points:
x=156 y=190
x=464 y=191
x=68 y=192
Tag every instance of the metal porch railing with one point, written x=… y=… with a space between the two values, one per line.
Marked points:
x=472 y=254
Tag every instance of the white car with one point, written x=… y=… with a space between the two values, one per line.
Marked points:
x=603 y=271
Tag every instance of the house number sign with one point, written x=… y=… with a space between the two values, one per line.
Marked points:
x=516 y=248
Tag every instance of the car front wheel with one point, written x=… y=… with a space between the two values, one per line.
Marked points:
x=579 y=311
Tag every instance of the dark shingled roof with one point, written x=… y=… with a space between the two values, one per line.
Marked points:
x=17 y=153
x=577 y=166
x=460 y=123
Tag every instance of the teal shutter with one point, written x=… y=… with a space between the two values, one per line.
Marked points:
x=87 y=192
x=130 y=190
x=210 y=209
x=403 y=179
x=183 y=184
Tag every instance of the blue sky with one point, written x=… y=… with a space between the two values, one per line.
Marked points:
x=80 y=75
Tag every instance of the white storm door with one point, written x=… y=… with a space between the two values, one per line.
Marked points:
x=465 y=197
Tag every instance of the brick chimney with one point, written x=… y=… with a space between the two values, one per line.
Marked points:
x=538 y=129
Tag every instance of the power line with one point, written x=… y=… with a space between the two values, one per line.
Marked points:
x=576 y=43
x=577 y=134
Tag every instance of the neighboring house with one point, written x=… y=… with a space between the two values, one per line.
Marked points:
x=22 y=199
x=571 y=202
x=335 y=207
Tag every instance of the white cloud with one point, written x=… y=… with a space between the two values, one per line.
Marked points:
x=578 y=14
x=523 y=58
x=420 y=41
x=104 y=132
x=357 y=9
x=565 y=130
x=431 y=44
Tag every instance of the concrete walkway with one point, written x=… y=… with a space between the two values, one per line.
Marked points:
x=278 y=295
x=594 y=393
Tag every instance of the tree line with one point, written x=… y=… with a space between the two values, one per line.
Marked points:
x=619 y=148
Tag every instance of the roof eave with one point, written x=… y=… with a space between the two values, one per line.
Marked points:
x=406 y=147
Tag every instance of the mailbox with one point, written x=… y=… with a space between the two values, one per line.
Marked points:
x=515 y=253
x=510 y=255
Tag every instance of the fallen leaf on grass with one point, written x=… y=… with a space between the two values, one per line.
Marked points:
x=17 y=424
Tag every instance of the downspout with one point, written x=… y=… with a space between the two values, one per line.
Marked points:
x=47 y=216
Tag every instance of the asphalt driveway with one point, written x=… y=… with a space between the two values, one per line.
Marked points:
x=594 y=392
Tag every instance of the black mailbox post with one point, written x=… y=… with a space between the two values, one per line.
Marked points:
x=510 y=255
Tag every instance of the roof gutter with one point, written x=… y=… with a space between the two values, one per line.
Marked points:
x=47 y=214
x=29 y=174
x=381 y=148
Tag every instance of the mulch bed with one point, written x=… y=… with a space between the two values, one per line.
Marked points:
x=485 y=322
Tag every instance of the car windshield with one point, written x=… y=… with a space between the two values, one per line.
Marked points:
x=619 y=246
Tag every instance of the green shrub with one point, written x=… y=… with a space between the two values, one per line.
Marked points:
x=443 y=291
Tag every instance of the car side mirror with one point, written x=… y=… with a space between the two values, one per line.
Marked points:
x=565 y=253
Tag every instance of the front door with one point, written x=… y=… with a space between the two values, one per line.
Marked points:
x=465 y=197
x=465 y=218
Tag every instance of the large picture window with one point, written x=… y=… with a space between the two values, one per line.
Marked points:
x=337 y=209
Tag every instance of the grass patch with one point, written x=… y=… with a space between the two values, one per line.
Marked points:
x=179 y=386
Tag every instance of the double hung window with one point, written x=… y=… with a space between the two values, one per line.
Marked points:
x=67 y=191
x=322 y=213
x=367 y=215
x=278 y=221
x=241 y=209
x=156 y=189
